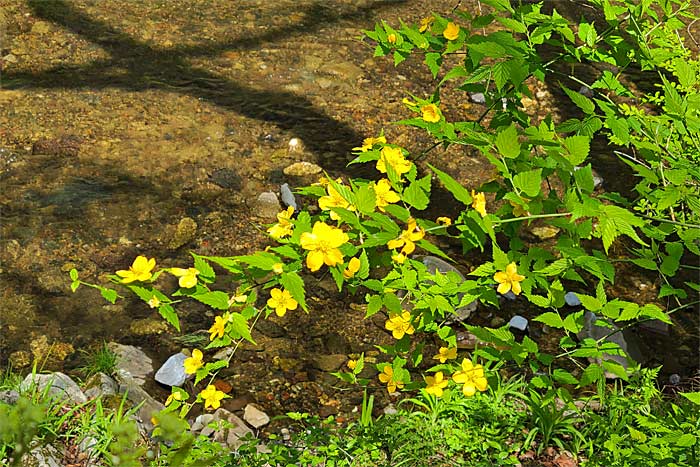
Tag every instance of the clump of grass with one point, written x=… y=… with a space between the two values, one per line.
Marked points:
x=102 y=360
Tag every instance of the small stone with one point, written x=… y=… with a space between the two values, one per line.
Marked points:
x=518 y=322
x=60 y=385
x=201 y=422
x=390 y=410
x=509 y=295
x=184 y=233
x=40 y=27
x=572 y=299
x=9 y=397
x=497 y=322
x=295 y=146
x=43 y=456
x=148 y=326
x=301 y=169
x=68 y=146
x=172 y=373
x=255 y=417
x=477 y=97
x=226 y=178
x=287 y=196
x=344 y=70
x=286 y=436
x=267 y=205
x=270 y=329
x=674 y=379
x=232 y=437
x=585 y=91
x=329 y=362
x=9 y=58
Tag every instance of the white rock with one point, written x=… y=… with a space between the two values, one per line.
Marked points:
x=256 y=417
x=172 y=373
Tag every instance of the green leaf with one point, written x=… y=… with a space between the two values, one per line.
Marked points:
x=591 y=374
x=414 y=36
x=239 y=325
x=581 y=101
x=529 y=182
x=73 y=274
x=433 y=61
x=74 y=286
x=206 y=273
x=577 y=147
x=109 y=294
x=551 y=319
x=652 y=311
x=564 y=377
x=216 y=299
x=373 y=305
x=208 y=369
x=615 y=221
x=686 y=440
x=460 y=193
x=169 y=315
x=507 y=142
x=260 y=260
x=456 y=72
x=416 y=196
x=365 y=199
x=295 y=285
x=687 y=77
x=590 y=303
x=693 y=397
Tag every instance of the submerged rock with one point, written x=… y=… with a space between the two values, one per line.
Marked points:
x=184 y=233
x=301 y=169
x=267 y=205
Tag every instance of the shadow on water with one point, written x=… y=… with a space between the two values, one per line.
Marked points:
x=150 y=68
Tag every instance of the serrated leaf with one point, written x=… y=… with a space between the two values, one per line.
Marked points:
x=693 y=397
x=577 y=147
x=260 y=260
x=416 y=196
x=207 y=369
x=293 y=282
x=615 y=221
x=206 y=273
x=109 y=294
x=564 y=377
x=529 y=182
x=414 y=36
x=460 y=193
x=551 y=319
x=169 y=315
x=433 y=61
x=591 y=374
x=239 y=325
x=374 y=304
x=365 y=199
x=581 y=101
x=216 y=299
x=507 y=142
x=456 y=72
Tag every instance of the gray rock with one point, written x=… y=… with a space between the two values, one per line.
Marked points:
x=201 y=422
x=255 y=417
x=60 y=386
x=226 y=178
x=624 y=340
x=132 y=363
x=674 y=379
x=229 y=433
x=518 y=322
x=477 y=97
x=172 y=373
x=148 y=405
x=287 y=196
x=267 y=205
x=100 y=385
x=9 y=397
x=43 y=456
x=433 y=264
x=509 y=295
x=571 y=299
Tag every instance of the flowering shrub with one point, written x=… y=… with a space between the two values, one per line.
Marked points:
x=364 y=224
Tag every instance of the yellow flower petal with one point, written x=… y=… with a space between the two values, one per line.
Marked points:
x=451 y=31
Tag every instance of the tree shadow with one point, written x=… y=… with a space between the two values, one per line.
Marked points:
x=136 y=66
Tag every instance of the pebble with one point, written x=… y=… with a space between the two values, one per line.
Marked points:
x=329 y=362
x=674 y=379
x=477 y=97
x=509 y=295
x=226 y=178
x=9 y=397
x=287 y=196
x=267 y=205
x=518 y=322
x=255 y=417
x=172 y=373
x=571 y=299
x=100 y=385
x=544 y=232
x=301 y=169
x=295 y=145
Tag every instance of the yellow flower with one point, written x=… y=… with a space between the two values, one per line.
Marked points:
x=446 y=221
x=368 y=143
x=391 y=38
x=334 y=200
x=387 y=377
x=382 y=190
x=435 y=384
x=237 y=299
x=212 y=397
x=352 y=364
x=353 y=267
x=398 y=258
x=394 y=157
x=174 y=396
x=472 y=377
x=425 y=23
x=451 y=31
x=140 y=270
x=218 y=329
x=407 y=238
x=431 y=113
x=188 y=277
x=445 y=354
x=154 y=302
x=281 y=301
x=323 y=242
x=479 y=203
x=278 y=268
x=284 y=227
x=399 y=325
x=193 y=363
x=509 y=280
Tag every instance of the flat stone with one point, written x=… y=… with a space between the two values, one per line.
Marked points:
x=226 y=178
x=172 y=373
x=201 y=422
x=60 y=386
x=518 y=322
x=287 y=196
x=148 y=326
x=132 y=363
x=571 y=299
x=184 y=233
x=231 y=437
x=477 y=97
x=256 y=417
x=100 y=385
x=329 y=362
x=301 y=169
x=148 y=405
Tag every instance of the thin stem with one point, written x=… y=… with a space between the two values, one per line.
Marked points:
x=535 y=216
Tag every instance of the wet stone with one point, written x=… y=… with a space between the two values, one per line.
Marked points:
x=183 y=234
x=329 y=362
x=226 y=178
x=132 y=363
x=572 y=299
x=270 y=329
x=100 y=385
x=287 y=196
x=9 y=397
x=301 y=169
x=518 y=322
x=267 y=205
